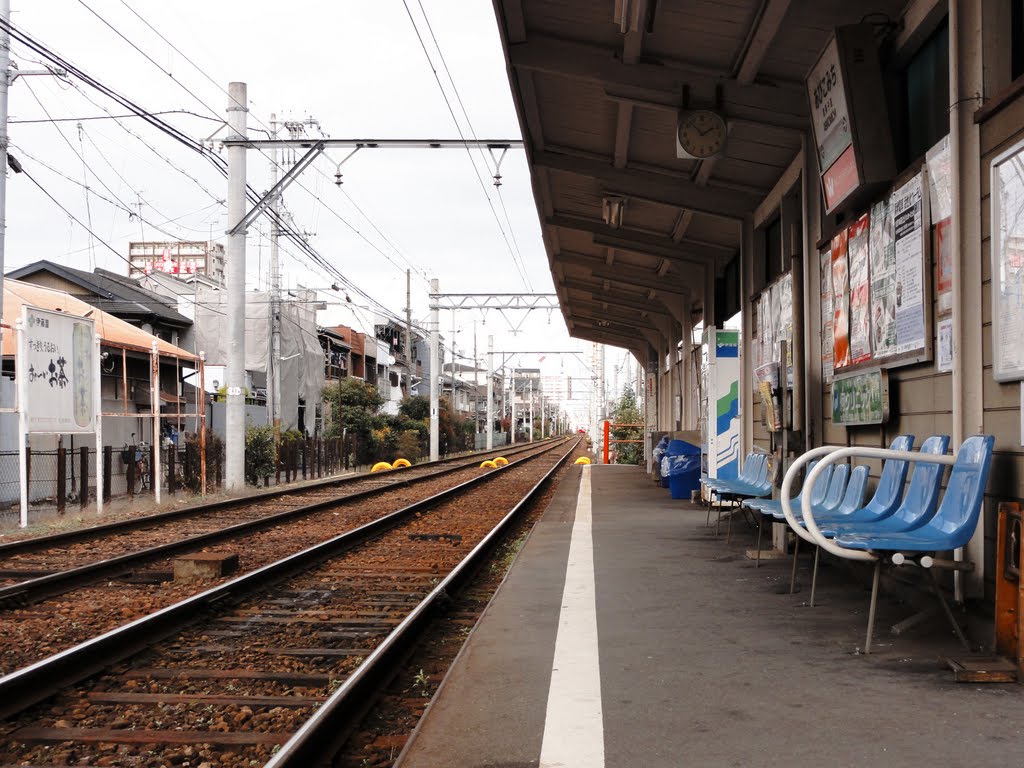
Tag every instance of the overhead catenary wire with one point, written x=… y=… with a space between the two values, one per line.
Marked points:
x=520 y=267
x=472 y=130
x=317 y=197
x=218 y=163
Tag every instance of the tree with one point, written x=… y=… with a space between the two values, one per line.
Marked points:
x=628 y=412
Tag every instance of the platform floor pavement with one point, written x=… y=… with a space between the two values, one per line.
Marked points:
x=705 y=660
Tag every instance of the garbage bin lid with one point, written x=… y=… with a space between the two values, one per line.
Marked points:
x=681 y=448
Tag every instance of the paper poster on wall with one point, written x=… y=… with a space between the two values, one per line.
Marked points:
x=840 y=302
x=945 y=345
x=908 y=222
x=940 y=193
x=825 y=274
x=943 y=268
x=860 y=292
x=785 y=291
x=882 y=253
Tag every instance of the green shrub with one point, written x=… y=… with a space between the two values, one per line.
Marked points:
x=259 y=453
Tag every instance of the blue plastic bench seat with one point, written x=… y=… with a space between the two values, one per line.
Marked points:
x=953 y=524
x=885 y=499
x=919 y=502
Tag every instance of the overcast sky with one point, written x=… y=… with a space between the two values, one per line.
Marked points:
x=356 y=67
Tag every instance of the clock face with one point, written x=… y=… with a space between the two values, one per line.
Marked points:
x=702 y=133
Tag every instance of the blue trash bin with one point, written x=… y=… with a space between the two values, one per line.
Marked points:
x=681 y=467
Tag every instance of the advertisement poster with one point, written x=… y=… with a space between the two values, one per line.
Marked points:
x=785 y=331
x=940 y=193
x=840 y=302
x=860 y=292
x=861 y=398
x=943 y=267
x=825 y=274
x=59 y=359
x=945 y=345
x=908 y=226
x=882 y=253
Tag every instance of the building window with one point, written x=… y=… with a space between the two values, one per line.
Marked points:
x=926 y=96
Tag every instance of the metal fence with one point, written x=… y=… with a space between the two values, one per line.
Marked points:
x=65 y=480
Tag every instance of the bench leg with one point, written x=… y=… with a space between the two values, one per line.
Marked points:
x=874 y=605
x=814 y=575
x=945 y=609
x=792 y=576
x=711 y=506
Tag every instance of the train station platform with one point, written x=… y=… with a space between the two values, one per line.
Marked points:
x=628 y=634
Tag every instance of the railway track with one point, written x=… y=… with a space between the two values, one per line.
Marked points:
x=274 y=665
x=65 y=606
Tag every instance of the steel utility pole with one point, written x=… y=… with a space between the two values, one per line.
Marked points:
x=512 y=391
x=451 y=403
x=408 y=333
x=275 y=298
x=234 y=269
x=476 y=389
x=490 y=392
x=435 y=372
x=531 y=410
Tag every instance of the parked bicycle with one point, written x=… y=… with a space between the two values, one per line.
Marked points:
x=141 y=460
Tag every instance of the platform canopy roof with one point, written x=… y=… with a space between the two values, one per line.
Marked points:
x=598 y=87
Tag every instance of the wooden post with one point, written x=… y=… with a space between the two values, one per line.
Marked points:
x=278 y=460
x=305 y=457
x=83 y=474
x=62 y=478
x=108 y=463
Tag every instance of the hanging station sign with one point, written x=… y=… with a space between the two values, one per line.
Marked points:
x=848 y=115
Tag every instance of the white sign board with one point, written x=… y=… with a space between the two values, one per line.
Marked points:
x=57 y=360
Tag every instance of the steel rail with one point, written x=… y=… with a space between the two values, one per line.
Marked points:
x=38 y=681
x=325 y=732
x=41 y=587
x=36 y=543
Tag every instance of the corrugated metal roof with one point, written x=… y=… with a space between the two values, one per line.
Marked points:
x=113 y=331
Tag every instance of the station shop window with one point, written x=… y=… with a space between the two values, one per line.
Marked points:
x=922 y=104
x=1016 y=39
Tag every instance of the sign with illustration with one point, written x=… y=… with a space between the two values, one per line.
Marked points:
x=861 y=398
x=57 y=360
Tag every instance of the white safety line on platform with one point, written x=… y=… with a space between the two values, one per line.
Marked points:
x=574 y=725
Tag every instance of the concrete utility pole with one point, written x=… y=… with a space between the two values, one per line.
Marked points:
x=408 y=333
x=275 y=298
x=490 y=392
x=5 y=82
x=234 y=269
x=451 y=404
x=435 y=372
